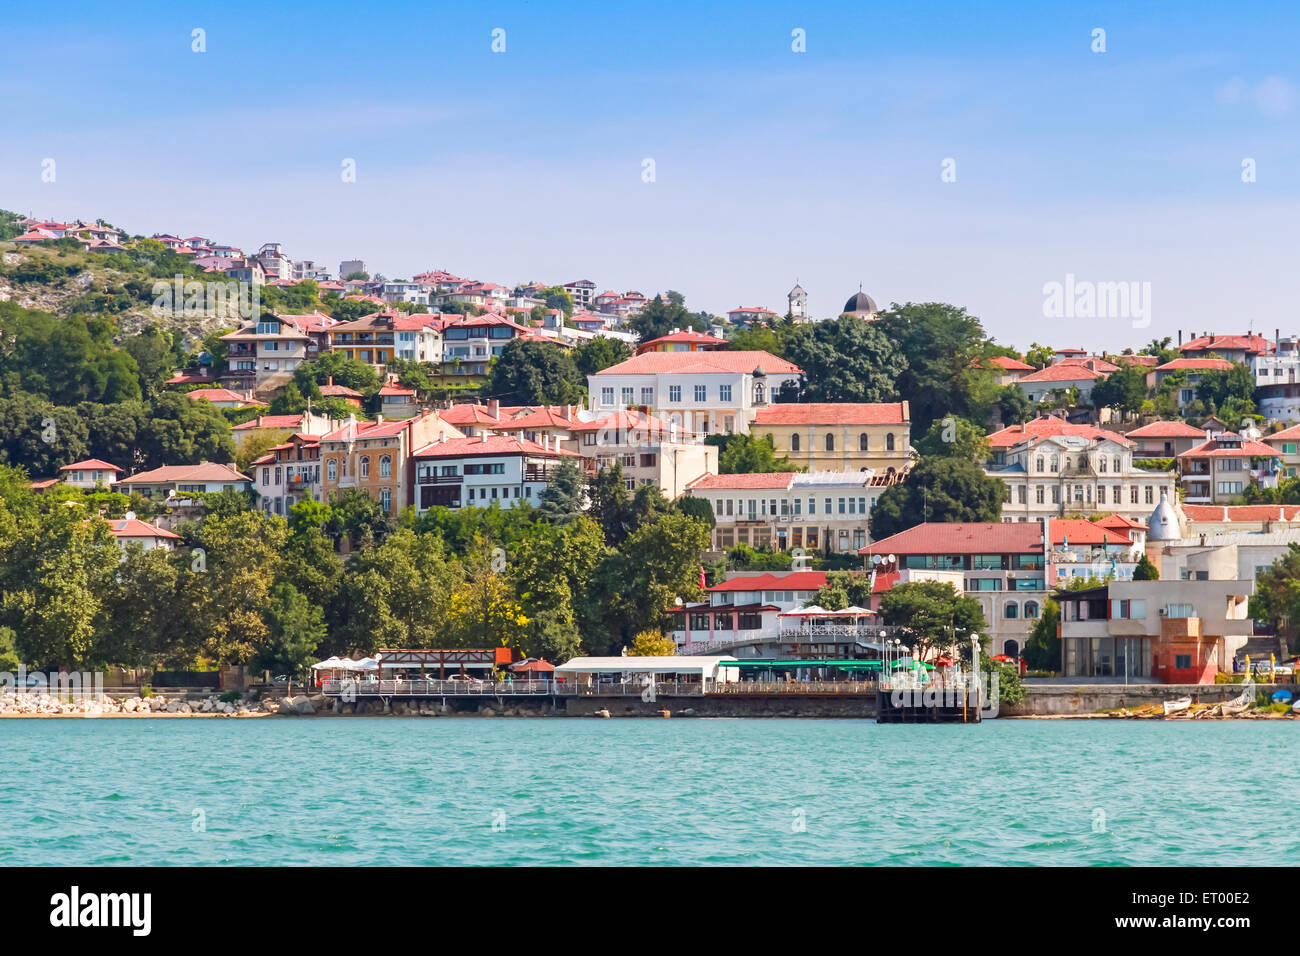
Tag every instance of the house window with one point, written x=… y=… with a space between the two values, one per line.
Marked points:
x=750 y=621
x=1038 y=494
x=385 y=467
x=386 y=500
x=701 y=393
x=1150 y=495
x=627 y=395
x=760 y=394
x=724 y=393
x=889 y=442
x=863 y=442
x=365 y=466
x=830 y=442
x=794 y=442
x=1101 y=463
x=1031 y=609
x=1114 y=497
x=1039 y=464
x=607 y=395
x=1011 y=611
x=1056 y=494
x=1133 y=494
x=1022 y=494
x=674 y=393
x=331 y=469
x=647 y=396
x=266 y=477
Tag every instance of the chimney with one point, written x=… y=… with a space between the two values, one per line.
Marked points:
x=494 y=408
x=330 y=380
x=379 y=419
x=483 y=437
x=1180 y=338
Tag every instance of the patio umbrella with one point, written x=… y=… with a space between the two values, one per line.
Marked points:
x=331 y=664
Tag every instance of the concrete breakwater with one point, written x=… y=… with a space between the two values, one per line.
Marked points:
x=1041 y=700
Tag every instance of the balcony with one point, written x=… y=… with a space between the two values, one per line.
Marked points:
x=440 y=479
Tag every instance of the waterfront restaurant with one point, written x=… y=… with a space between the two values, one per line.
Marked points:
x=431 y=664
x=591 y=676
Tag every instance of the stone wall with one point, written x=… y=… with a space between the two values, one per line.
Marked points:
x=1043 y=700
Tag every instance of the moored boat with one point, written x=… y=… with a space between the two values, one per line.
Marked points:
x=1177 y=706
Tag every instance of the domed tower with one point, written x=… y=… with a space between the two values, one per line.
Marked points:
x=861 y=305
x=1163 y=523
x=798 y=300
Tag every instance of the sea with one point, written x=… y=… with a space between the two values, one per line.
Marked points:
x=564 y=791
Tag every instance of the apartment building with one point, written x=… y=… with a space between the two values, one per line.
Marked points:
x=471 y=342
x=264 y=353
x=1176 y=632
x=840 y=436
x=824 y=510
x=649 y=451
x=1005 y=568
x=378 y=338
x=483 y=471
x=582 y=292
x=1286 y=445
x=287 y=474
x=375 y=457
x=705 y=392
x=1193 y=369
x=1219 y=470
x=683 y=341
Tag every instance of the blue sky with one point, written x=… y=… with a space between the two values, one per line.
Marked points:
x=770 y=165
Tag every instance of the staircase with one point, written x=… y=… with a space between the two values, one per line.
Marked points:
x=1260 y=646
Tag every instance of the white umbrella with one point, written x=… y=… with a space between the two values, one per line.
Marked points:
x=332 y=664
x=366 y=664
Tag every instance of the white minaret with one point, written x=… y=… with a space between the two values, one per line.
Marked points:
x=798 y=300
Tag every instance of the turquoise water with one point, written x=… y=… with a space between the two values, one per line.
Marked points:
x=777 y=792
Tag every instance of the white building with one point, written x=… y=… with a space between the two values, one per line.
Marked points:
x=822 y=510
x=90 y=474
x=707 y=392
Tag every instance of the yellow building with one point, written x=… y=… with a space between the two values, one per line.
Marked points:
x=839 y=436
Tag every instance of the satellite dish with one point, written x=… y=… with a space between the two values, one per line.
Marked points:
x=130 y=516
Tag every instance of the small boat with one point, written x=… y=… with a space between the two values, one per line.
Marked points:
x=1295 y=708
x=1177 y=706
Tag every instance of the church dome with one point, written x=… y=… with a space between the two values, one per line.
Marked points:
x=1163 y=523
x=860 y=302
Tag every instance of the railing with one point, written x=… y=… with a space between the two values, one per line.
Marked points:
x=797 y=687
x=633 y=689
x=843 y=631
x=433 y=688
x=440 y=479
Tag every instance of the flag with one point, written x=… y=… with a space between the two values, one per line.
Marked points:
x=702 y=577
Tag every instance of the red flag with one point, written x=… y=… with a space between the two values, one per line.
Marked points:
x=701 y=577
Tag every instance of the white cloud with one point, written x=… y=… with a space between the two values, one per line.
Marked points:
x=1274 y=96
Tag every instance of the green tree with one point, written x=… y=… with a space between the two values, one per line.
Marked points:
x=1125 y=389
x=846 y=360
x=659 y=318
x=1145 y=570
x=1043 y=648
x=652 y=644
x=1014 y=405
x=529 y=372
x=953 y=437
x=1040 y=356
x=932 y=614
x=241 y=558
x=942 y=377
x=557 y=297
x=938 y=489
x=184 y=431
x=599 y=354
x=564 y=495
x=398 y=594
x=295 y=630
x=748 y=454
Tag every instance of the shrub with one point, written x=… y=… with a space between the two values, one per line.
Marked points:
x=229 y=697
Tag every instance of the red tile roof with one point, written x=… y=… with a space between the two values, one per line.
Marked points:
x=1097 y=364
x=961 y=537
x=1286 y=434
x=626 y=421
x=1163 y=429
x=205 y=471
x=775 y=581
x=216 y=395
x=1049 y=426
x=1004 y=362
x=833 y=413
x=135 y=528
x=397 y=390
x=1061 y=373
x=768 y=479
x=687 y=336
x=1242 y=513
x=488 y=445
x=269 y=421
x=1194 y=363
x=90 y=464
x=1081 y=531
x=1212 y=343
x=1120 y=523
x=1210 y=449
x=339 y=391
x=725 y=360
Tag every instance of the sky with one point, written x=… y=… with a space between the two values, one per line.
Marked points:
x=930 y=151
